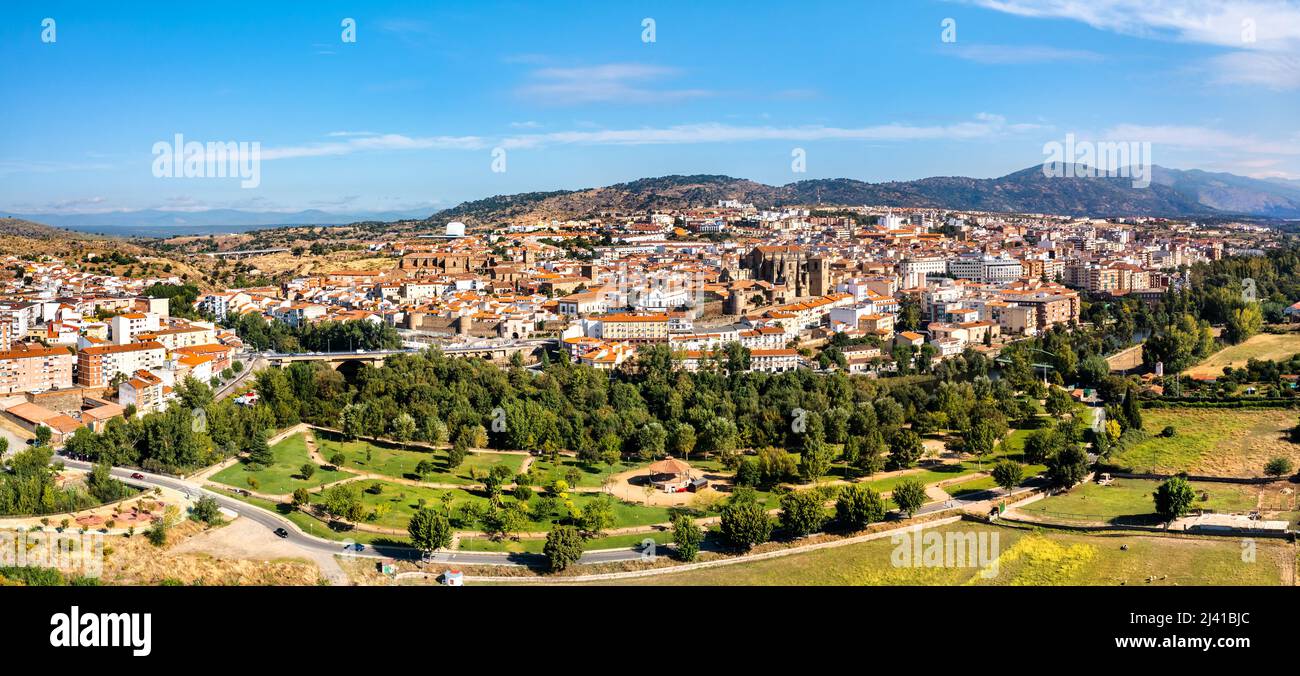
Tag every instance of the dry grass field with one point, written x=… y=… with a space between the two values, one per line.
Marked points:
x=134 y=561
x=1024 y=557
x=1266 y=346
x=1212 y=442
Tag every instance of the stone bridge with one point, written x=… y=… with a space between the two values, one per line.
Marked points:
x=349 y=362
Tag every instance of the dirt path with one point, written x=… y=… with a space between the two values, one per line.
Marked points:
x=1126 y=359
x=246 y=539
x=202 y=475
x=421 y=444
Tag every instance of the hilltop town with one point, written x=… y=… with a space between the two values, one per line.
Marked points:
x=780 y=283
x=879 y=291
x=550 y=395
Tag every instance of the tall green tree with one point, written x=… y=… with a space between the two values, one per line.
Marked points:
x=1174 y=498
x=258 y=451
x=563 y=547
x=1008 y=474
x=744 y=521
x=858 y=506
x=802 y=512
x=905 y=449
x=909 y=495
x=687 y=536
x=1068 y=466
x=429 y=531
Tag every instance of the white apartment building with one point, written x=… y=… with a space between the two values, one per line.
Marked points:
x=97 y=366
x=773 y=361
x=221 y=304
x=124 y=327
x=989 y=269
x=912 y=271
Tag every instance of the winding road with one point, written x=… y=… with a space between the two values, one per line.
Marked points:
x=306 y=541
x=271 y=521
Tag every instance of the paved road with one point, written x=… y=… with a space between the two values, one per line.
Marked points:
x=304 y=540
x=982 y=496
x=252 y=363
x=272 y=521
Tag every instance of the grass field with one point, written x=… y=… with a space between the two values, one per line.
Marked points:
x=589 y=476
x=1012 y=447
x=535 y=545
x=313 y=526
x=1023 y=557
x=281 y=476
x=1132 y=498
x=400 y=463
x=402 y=502
x=1266 y=346
x=1212 y=442
x=966 y=489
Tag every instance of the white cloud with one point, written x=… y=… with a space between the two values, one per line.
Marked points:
x=1018 y=54
x=613 y=82
x=1264 y=69
x=48 y=167
x=984 y=126
x=1191 y=137
x=374 y=142
x=1264 y=34
x=1214 y=22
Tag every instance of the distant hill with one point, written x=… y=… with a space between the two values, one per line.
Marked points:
x=1173 y=193
x=164 y=223
x=1230 y=193
x=17 y=227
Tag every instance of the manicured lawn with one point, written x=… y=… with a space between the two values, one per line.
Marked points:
x=629 y=540
x=1266 y=346
x=589 y=476
x=313 y=526
x=1211 y=442
x=482 y=544
x=281 y=477
x=1023 y=557
x=535 y=545
x=1013 y=447
x=970 y=488
x=400 y=462
x=402 y=502
x=1132 y=498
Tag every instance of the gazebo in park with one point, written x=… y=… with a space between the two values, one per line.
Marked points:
x=671 y=475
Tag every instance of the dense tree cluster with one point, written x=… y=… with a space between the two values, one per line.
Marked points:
x=650 y=409
x=28 y=485
x=1215 y=292
x=194 y=432
x=325 y=336
x=180 y=298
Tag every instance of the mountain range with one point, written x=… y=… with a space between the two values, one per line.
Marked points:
x=1171 y=193
x=165 y=223
x=17 y=227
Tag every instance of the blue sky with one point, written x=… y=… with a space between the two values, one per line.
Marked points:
x=408 y=116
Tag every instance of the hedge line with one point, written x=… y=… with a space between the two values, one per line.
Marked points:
x=1186 y=402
